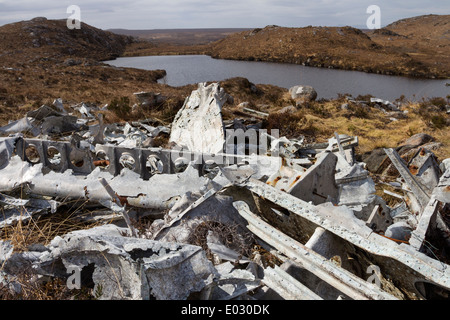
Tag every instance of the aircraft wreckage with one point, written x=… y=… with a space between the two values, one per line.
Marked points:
x=311 y=207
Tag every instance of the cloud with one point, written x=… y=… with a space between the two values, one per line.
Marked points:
x=154 y=14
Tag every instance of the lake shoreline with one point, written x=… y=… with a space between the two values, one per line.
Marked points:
x=191 y=69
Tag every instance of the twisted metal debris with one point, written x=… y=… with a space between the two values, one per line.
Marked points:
x=311 y=208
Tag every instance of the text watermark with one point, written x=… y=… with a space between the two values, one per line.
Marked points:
x=74 y=20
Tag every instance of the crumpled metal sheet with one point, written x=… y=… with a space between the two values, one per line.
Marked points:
x=122 y=267
x=181 y=221
x=230 y=283
x=14 y=210
x=6 y=151
x=442 y=191
x=129 y=185
x=198 y=125
x=21 y=125
x=316 y=184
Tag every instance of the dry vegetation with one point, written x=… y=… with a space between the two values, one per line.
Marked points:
x=425 y=38
x=320 y=119
x=186 y=37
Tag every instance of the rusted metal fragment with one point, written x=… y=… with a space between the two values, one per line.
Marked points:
x=316 y=184
x=259 y=114
x=425 y=169
x=416 y=187
x=118 y=203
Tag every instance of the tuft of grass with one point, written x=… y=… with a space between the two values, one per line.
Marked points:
x=33 y=288
x=228 y=235
x=121 y=107
x=290 y=125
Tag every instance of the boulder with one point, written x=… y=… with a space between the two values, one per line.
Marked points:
x=418 y=140
x=374 y=159
x=288 y=109
x=303 y=93
x=72 y=62
x=150 y=99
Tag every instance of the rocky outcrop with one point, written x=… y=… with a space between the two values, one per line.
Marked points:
x=377 y=161
x=52 y=38
x=326 y=47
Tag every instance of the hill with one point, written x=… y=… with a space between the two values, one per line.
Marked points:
x=180 y=36
x=330 y=47
x=424 y=38
x=41 y=60
x=52 y=39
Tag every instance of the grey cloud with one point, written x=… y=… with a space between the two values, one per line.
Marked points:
x=153 y=14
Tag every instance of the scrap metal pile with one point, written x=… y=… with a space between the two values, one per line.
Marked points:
x=273 y=218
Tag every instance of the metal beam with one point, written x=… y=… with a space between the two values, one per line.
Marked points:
x=412 y=183
x=339 y=278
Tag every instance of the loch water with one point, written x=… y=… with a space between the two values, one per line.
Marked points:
x=190 y=69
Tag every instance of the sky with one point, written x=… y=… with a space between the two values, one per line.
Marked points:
x=175 y=14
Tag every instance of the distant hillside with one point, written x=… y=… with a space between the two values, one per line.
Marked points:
x=180 y=36
x=41 y=60
x=425 y=38
x=40 y=37
x=345 y=47
x=429 y=28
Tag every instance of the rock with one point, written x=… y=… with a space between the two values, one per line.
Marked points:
x=150 y=99
x=230 y=99
x=72 y=62
x=288 y=109
x=418 y=140
x=374 y=159
x=244 y=104
x=303 y=93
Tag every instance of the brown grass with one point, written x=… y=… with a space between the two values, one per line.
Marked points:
x=228 y=235
x=43 y=228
